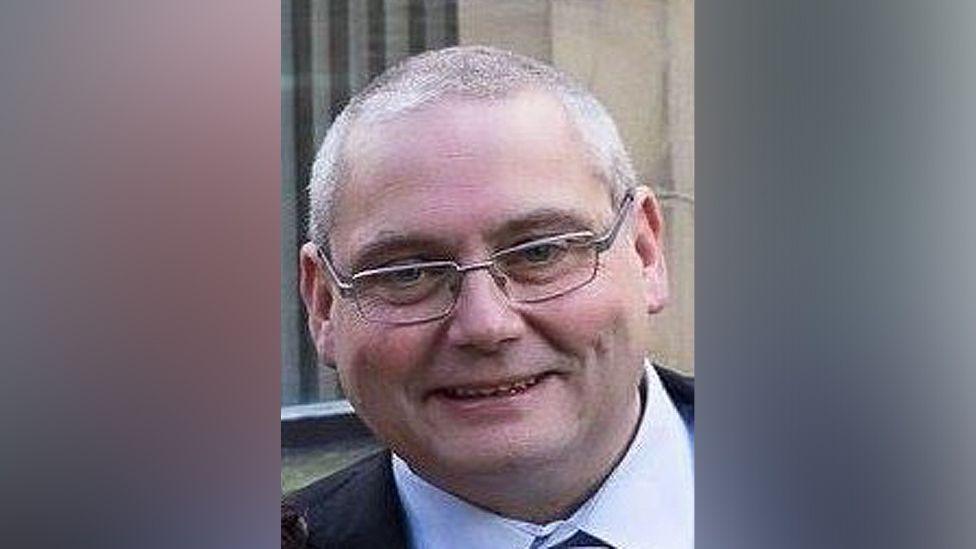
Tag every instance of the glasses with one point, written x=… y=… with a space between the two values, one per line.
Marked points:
x=531 y=272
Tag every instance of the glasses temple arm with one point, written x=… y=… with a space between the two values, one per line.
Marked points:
x=606 y=240
x=345 y=287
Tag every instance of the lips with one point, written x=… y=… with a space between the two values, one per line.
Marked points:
x=506 y=388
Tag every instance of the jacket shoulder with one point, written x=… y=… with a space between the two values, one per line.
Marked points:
x=355 y=507
x=681 y=389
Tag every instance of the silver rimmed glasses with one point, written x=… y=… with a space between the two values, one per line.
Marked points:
x=530 y=272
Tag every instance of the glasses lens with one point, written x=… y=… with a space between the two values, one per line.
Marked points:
x=531 y=272
x=405 y=294
x=547 y=268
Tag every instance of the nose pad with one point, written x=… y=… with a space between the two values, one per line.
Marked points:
x=499 y=283
x=483 y=316
x=500 y=279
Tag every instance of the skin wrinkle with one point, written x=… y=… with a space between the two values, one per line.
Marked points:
x=474 y=73
x=360 y=141
x=428 y=243
x=398 y=181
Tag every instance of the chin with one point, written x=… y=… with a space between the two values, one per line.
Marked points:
x=491 y=456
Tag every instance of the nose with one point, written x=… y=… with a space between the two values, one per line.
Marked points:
x=483 y=318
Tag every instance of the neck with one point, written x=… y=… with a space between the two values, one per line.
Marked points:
x=552 y=490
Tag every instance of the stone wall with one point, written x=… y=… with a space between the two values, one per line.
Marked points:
x=638 y=58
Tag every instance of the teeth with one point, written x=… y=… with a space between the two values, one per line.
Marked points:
x=508 y=389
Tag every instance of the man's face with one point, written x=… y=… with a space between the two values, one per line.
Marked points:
x=459 y=181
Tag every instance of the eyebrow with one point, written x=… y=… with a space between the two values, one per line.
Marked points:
x=548 y=220
x=388 y=242
x=534 y=223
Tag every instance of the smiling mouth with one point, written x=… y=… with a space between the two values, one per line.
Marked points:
x=504 y=389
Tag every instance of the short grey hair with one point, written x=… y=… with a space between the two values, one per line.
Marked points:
x=466 y=72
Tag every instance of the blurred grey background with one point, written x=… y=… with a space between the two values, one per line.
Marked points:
x=140 y=296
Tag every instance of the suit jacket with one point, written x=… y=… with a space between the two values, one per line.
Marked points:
x=359 y=507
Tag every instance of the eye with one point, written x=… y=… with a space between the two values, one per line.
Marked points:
x=405 y=277
x=545 y=259
x=542 y=253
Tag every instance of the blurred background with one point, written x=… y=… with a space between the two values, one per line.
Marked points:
x=636 y=56
x=141 y=275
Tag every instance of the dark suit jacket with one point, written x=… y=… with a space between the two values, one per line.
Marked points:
x=358 y=507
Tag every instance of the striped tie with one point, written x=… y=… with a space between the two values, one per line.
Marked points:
x=579 y=540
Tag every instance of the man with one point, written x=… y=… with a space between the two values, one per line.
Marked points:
x=481 y=270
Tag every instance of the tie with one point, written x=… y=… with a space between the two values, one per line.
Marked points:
x=579 y=540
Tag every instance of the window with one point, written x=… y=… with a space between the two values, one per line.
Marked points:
x=329 y=50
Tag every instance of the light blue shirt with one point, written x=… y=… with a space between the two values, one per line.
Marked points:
x=646 y=502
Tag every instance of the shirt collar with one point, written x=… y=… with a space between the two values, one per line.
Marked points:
x=647 y=501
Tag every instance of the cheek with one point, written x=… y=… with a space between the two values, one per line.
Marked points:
x=604 y=320
x=585 y=322
x=373 y=360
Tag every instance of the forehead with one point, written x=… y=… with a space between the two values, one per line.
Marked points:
x=464 y=167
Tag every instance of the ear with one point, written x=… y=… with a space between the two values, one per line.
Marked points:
x=649 y=243
x=317 y=296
